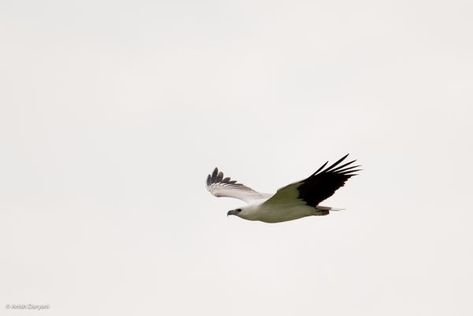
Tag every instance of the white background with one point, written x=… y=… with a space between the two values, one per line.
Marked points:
x=112 y=113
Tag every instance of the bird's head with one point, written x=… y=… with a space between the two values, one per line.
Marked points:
x=234 y=212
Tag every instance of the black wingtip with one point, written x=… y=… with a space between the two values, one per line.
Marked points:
x=321 y=167
x=336 y=163
x=212 y=176
x=218 y=176
x=346 y=168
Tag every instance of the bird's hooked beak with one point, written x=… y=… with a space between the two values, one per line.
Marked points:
x=233 y=212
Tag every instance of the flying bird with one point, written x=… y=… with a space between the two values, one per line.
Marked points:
x=293 y=201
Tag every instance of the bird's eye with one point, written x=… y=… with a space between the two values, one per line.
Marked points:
x=238 y=210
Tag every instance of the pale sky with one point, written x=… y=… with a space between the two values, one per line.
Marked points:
x=112 y=113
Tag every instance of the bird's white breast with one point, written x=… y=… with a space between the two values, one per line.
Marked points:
x=278 y=213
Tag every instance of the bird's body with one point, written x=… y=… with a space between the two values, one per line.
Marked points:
x=296 y=200
x=278 y=213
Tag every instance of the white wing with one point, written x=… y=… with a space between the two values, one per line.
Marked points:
x=226 y=187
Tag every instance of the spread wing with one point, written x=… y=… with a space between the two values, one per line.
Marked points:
x=226 y=187
x=321 y=185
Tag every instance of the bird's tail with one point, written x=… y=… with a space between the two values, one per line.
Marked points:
x=325 y=210
x=328 y=208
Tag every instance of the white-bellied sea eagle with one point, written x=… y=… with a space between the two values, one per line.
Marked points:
x=296 y=200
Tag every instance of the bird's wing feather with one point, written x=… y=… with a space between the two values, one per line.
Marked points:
x=221 y=186
x=319 y=186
